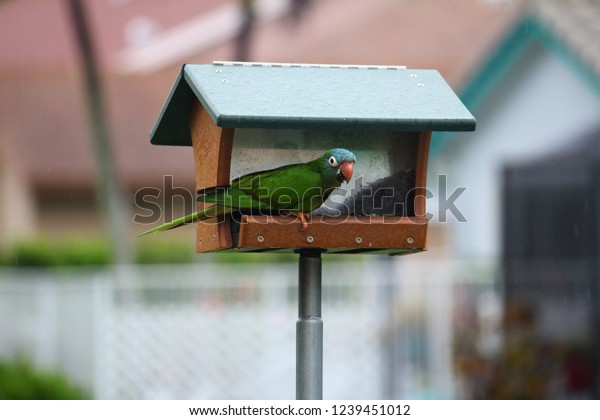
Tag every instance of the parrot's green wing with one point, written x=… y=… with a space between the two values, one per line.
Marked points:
x=230 y=197
x=295 y=187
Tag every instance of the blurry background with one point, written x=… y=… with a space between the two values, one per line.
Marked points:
x=505 y=304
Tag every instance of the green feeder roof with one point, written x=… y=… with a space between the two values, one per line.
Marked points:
x=305 y=96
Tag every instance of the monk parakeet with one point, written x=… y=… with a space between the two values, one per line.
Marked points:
x=296 y=189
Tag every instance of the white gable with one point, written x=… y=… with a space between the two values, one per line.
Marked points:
x=539 y=106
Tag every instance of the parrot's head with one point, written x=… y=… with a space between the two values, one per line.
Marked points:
x=339 y=163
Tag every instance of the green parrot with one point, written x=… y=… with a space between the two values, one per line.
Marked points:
x=295 y=189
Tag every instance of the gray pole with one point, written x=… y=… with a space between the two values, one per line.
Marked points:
x=107 y=182
x=309 y=328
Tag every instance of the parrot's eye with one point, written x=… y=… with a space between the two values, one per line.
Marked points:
x=332 y=161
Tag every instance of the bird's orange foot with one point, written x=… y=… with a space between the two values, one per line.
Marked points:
x=304 y=217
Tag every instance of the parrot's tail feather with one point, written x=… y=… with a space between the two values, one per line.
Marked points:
x=213 y=190
x=201 y=215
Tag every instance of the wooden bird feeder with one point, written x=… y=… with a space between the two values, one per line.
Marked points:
x=245 y=117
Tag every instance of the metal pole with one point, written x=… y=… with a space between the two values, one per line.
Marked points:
x=107 y=182
x=309 y=328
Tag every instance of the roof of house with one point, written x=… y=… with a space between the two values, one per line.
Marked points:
x=565 y=27
x=41 y=32
x=577 y=24
x=568 y=28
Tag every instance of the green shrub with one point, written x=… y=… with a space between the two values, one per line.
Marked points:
x=90 y=252
x=20 y=380
x=46 y=253
x=164 y=252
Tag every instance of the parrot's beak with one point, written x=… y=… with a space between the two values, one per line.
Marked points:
x=346 y=169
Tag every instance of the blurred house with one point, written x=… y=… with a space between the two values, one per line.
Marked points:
x=47 y=167
x=536 y=93
x=531 y=173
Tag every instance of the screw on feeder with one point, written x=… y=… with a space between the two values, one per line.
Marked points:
x=225 y=81
x=358 y=240
x=310 y=239
x=260 y=238
x=410 y=240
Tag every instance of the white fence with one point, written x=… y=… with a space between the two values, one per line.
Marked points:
x=228 y=332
